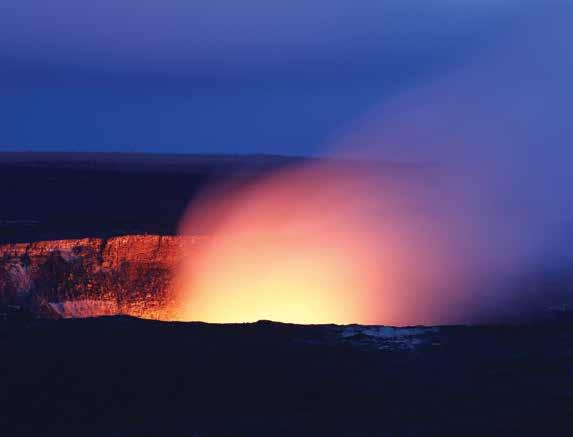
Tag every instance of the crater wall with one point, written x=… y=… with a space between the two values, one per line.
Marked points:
x=131 y=275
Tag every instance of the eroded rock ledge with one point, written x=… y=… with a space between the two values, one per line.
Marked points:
x=131 y=275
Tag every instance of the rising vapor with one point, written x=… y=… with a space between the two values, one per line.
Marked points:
x=329 y=242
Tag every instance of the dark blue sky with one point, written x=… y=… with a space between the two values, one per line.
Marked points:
x=227 y=76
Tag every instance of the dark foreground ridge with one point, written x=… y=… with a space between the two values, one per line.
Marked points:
x=120 y=376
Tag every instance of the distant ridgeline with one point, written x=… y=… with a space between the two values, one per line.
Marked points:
x=49 y=196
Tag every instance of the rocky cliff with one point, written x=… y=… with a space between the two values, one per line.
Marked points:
x=91 y=277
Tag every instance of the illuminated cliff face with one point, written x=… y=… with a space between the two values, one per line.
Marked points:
x=92 y=277
x=315 y=245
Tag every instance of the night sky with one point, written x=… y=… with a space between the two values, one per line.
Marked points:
x=251 y=76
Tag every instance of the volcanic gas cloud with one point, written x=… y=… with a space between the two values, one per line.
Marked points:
x=329 y=243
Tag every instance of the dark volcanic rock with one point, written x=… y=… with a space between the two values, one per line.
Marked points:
x=127 y=377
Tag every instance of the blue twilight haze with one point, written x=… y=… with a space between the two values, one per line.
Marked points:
x=225 y=76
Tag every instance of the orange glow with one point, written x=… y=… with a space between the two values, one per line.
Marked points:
x=311 y=245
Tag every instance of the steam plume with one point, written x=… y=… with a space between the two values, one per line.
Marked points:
x=332 y=243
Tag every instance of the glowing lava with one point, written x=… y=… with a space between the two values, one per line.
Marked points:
x=312 y=245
